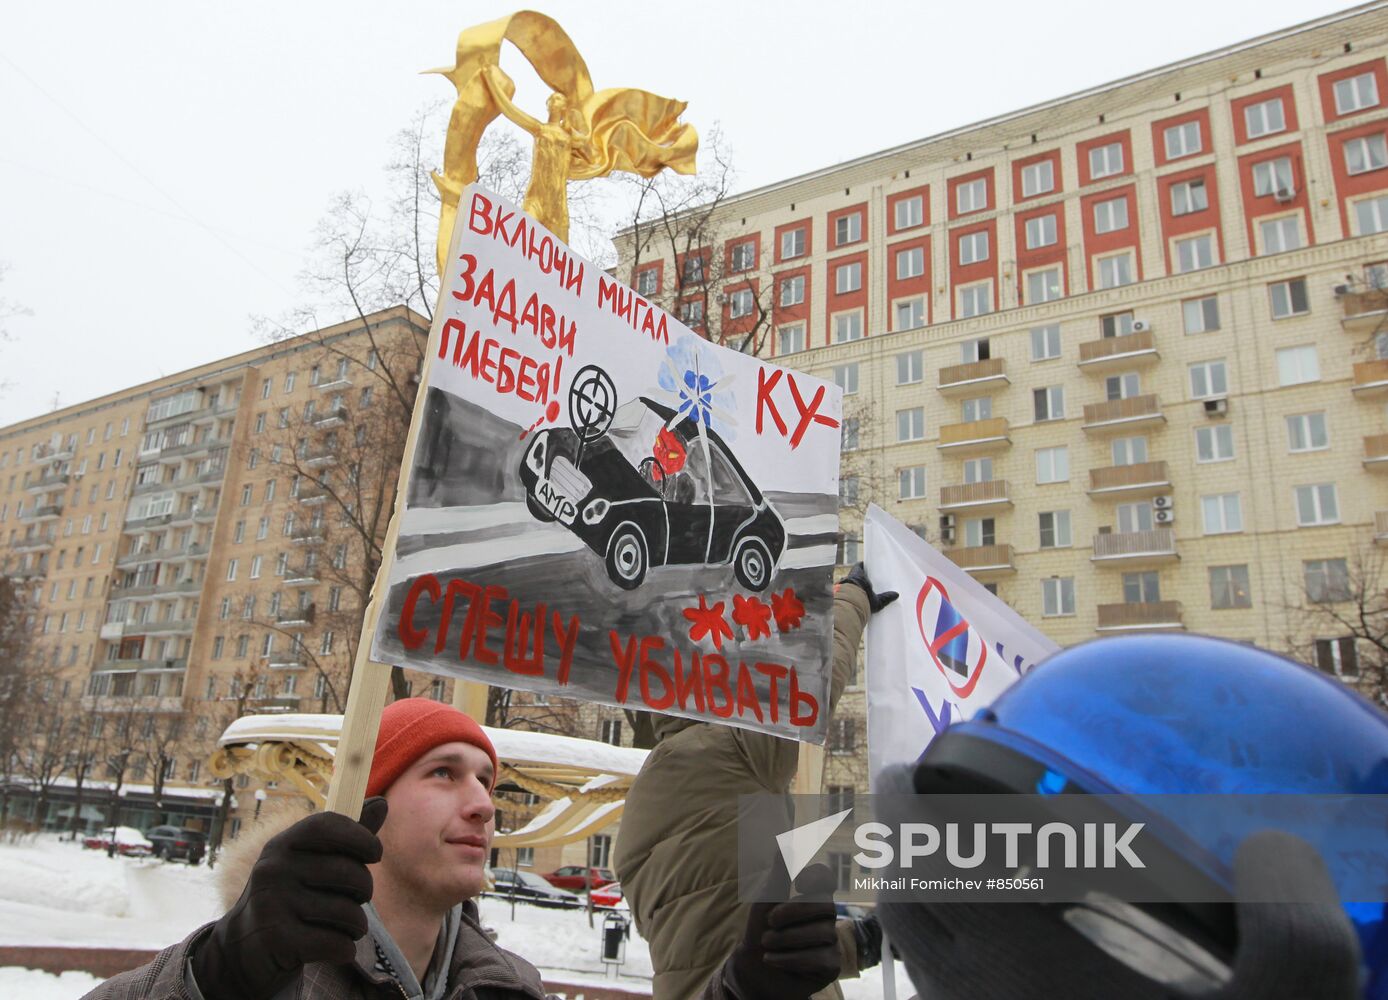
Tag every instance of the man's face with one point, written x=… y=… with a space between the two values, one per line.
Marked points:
x=438 y=833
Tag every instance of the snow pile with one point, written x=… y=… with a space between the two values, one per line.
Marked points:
x=31 y=984
x=62 y=876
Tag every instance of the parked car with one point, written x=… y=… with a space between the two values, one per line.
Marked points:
x=527 y=887
x=609 y=897
x=129 y=841
x=572 y=877
x=654 y=491
x=175 y=843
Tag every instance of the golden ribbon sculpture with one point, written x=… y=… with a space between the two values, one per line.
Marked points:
x=586 y=134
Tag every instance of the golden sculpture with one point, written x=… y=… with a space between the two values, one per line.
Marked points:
x=586 y=134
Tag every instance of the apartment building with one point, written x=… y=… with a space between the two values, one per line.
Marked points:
x=1121 y=355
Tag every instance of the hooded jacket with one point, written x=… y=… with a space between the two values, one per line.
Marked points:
x=676 y=851
x=478 y=968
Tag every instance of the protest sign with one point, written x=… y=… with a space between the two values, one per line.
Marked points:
x=942 y=652
x=604 y=505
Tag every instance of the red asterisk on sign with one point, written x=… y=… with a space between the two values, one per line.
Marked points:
x=753 y=614
x=788 y=610
x=708 y=621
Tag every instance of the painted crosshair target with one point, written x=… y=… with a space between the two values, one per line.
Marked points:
x=592 y=403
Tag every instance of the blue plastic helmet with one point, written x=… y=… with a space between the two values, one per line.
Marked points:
x=1170 y=715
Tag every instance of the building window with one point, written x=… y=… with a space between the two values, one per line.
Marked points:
x=1369 y=152
x=909 y=314
x=910 y=424
x=1040 y=231
x=1280 y=235
x=848 y=437
x=971 y=197
x=909 y=367
x=1043 y=286
x=848 y=490
x=1264 y=118
x=1182 y=140
x=848 y=326
x=1306 y=432
x=740 y=303
x=1053 y=464
x=611 y=732
x=1316 y=504
x=1297 y=365
x=842 y=736
x=1048 y=403
x=1188 y=197
x=1338 y=657
x=973 y=248
x=850 y=550
x=744 y=256
x=1116 y=270
x=1289 y=298
x=909 y=212
x=980 y=531
x=648 y=281
x=693 y=270
x=1037 y=178
x=1055 y=529
x=848 y=277
x=1208 y=379
x=599 y=850
x=255 y=567
x=1045 y=342
x=1058 y=596
x=1129 y=450
x=978 y=470
x=848 y=228
x=692 y=313
x=793 y=243
x=247 y=494
x=1371 y=215
x=1194 y=253
x=231 y=569
x=1200 y=315
x=1272 y=176
x=1105 y=161
x=792 y=339
x=976 y=408
x=1356 y=93
x=910 y=263
x=1141 y=588
x=1326 y=580
x=1111 y=215
x=911 y=482
x=792 y=290
x=1214 y=443
x=976 y=299
x=846 y=377
x=1221 y=514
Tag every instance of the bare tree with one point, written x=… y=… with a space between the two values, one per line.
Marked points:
x=1340 y=623
x=83 y=746
x=40 y=755
x=14 y=653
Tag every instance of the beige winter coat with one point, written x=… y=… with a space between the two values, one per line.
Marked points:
x=676 y=852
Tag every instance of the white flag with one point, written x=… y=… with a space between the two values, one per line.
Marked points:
x=940 y=653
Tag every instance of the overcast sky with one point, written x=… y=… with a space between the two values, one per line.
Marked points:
x=162 y=165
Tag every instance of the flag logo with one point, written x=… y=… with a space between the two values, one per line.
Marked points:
x=956 y=647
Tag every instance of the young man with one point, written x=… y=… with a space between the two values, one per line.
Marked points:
x=383 y=907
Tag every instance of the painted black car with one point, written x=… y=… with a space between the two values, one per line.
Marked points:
x=653 y=491
x=175 y=843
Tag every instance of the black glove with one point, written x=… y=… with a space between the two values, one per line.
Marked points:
x=302 y=904
x=1289 y=951
x=859 y=578
x=790 y=950
x=867 y=933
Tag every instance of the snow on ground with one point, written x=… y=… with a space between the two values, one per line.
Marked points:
x=53 y=892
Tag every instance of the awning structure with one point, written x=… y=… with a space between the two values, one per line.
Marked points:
x=584 y=782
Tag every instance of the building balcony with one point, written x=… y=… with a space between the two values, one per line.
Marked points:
x=1381 y=527
x=46 y=512
x=983 y=560
x=276 y=703
x=1363 y=312
x=298 y=577
x=976 y=435
x=308 y=535
x=1370 y=379
x=142 y=556
x=1116 y=352
x=49 y=481
x=286 y=661
x=296 y=617
x=1146 y=616
x=974 y=376
x=24 y=574
x=1155 y=546
x=172 y=626
x=58 y=453
x=168 y=589
x=111 y=630
x=312 y=498
x=1376 y=452
x=123 y=702
x=33 y=543
x=186 y=449
x=1122 y=414
x=975 y=496
x=336 y=382
x=332 y=418
x=320 y=459
x=1129 y=480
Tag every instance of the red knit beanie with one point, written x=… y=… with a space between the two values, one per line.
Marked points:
x=410 y=728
